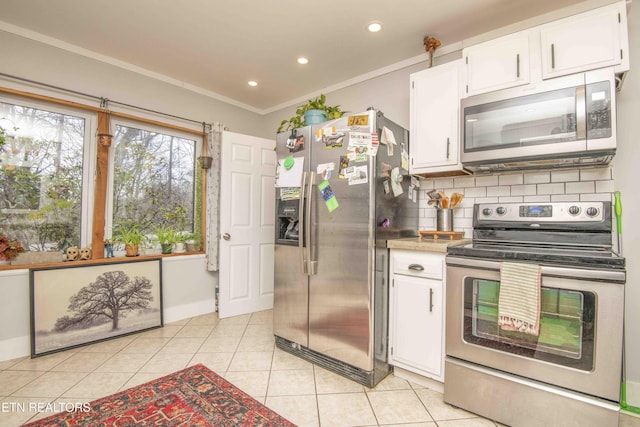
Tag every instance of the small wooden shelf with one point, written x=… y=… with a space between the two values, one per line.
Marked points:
x=445 y=235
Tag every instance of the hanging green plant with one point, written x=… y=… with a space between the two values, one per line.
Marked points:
x=317 y=104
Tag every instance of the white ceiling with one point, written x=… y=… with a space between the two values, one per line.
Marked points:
x=218 y=46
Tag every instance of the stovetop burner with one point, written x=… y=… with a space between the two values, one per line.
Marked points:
x=566 y=234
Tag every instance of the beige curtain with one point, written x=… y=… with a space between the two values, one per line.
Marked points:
x=213 y=197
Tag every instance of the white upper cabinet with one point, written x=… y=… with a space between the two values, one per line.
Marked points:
x=434 y=121
x=587 y=41
x=497 y=64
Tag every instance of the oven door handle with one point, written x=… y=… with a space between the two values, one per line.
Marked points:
x=618 y=276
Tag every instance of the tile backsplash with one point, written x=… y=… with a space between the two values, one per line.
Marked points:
x=564 y=185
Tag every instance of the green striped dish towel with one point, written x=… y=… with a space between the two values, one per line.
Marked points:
x=519 y=299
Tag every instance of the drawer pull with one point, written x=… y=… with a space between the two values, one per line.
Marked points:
x=416 y=267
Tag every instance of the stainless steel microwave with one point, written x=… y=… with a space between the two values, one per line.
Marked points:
x=561 y=122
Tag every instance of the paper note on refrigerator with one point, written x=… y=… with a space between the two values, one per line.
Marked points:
x=290 y=177
x=396 y=179
x=388 y=138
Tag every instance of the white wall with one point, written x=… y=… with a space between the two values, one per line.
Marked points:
x=39 y=62
x=188 y=290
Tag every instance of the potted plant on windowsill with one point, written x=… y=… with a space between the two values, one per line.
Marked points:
x=130 y=236
x=314 y=111
x=9 y=249
x=167 y=238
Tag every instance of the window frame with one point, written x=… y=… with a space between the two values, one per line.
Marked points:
x=150 y=127
x=89 y=156
x=95 y=178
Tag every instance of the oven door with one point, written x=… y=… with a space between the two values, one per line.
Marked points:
x=579 y=346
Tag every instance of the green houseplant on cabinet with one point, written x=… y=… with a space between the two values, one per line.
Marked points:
x=167 y=237
x=314 y=111
x=131 y=236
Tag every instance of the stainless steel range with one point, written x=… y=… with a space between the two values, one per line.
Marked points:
x=567 y=374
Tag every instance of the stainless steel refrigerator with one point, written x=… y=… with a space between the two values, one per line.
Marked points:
x=337 y=204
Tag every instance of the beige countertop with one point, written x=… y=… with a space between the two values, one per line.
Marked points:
x=427 y=245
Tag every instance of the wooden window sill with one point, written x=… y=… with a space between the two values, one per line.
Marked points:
x=95 y=261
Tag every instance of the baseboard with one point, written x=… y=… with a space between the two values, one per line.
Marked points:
x=418 y=379
x=14 y=348
x=185 y=311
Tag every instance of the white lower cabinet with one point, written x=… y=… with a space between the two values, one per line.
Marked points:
x=416 y=313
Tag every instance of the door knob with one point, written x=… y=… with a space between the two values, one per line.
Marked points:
x=226 y=236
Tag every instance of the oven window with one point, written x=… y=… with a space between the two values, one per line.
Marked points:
x=567 y=323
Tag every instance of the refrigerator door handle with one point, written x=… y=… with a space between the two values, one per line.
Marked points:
x=301 y=225
x=311 y=265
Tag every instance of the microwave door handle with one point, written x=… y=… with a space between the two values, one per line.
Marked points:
x=581 y=114
x=518 y=65
x=301 y=226
x=310 y=264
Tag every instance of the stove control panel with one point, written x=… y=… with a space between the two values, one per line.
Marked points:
x=540 y=212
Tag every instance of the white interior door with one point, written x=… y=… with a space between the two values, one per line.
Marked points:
x=247 y=224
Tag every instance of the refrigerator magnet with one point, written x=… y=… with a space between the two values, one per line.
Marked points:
x=359 y=120
x=344 y=164
x=360 y=176
x=385 y=184
x=324 y=169
x=373 y=146
x=328 y=196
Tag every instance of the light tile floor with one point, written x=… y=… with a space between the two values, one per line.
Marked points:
x=242 y=350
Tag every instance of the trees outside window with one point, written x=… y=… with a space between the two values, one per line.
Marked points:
x=153 y=179
x=41 y=175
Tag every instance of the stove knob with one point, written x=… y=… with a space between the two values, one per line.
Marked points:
x=486 y=211
x=501 y=210
x=592 y=211
x=574 y=210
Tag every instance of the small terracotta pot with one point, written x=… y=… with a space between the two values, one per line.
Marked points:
x=131 y=250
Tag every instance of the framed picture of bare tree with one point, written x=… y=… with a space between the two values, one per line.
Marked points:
x=82 y=303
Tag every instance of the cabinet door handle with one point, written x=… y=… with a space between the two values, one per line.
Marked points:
x=518 y=65
x=553 y=56
x=448 y=147
x=430 y=300
x=416 y=267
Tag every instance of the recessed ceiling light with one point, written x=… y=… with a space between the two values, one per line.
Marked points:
x=252 y=83
x=302 y=60
x=374 y=27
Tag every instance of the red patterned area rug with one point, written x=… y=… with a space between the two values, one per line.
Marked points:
x=194 y=396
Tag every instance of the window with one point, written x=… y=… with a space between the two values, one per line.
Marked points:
x=44 y=168
x=49 y=172
x=153 y=178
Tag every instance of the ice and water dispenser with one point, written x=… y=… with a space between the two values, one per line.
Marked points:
x=287 y=222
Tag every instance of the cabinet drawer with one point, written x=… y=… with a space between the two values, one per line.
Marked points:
x=418 y=264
